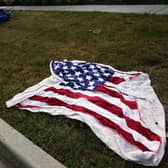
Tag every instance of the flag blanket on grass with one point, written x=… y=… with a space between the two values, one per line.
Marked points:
x=121 y=108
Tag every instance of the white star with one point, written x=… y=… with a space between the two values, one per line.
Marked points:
x=83 y=84
x=77 y=73
x=85 y=70
x=65 y=67
x=106 y=74
x=92 y=66
x=101 y=79
x=91 y=83
x=88 y=77
x=56 y=66
x=91 y=87
x=94 y=70
x=70 y=78
x=97 y=74
x=68 y=75
x=73 y=67
x=103 y=69
x=76 y=86
x=60 y=74
x=80 y=79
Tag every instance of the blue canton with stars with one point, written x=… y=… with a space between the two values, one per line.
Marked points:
x=82 y=75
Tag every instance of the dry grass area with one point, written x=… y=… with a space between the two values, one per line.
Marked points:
x=31 y=39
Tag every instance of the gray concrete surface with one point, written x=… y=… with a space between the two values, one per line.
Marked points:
x=152 y=9
x=19 y=152
x=2 y=165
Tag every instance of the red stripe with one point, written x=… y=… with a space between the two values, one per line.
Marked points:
x=101 y=119
x=113 y=93
x=116 y=80
x=134 y=75
x=135 y=125
x=26 y=106
x=94 y=99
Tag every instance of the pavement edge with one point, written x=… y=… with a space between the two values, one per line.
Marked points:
x=18 y=151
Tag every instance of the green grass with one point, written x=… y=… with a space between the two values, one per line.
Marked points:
x=31 y=39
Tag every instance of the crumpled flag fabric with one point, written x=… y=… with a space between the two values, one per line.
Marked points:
x=121 y=108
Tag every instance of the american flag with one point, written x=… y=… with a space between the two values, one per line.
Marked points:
x=90 y=92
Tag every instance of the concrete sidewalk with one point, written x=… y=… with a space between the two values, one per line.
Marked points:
x=151 y=9
x=2 y=165
x=16 y=151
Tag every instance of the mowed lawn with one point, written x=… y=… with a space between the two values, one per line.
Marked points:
x=31 y=39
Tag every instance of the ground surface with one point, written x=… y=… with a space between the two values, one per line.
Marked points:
x=2 y=165
x=31 y=39
x=152 y=9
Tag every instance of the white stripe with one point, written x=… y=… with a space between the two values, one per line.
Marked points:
x=133 y=114
x=113 y=87
x=152 y=145
x=121 y=75
x=109 y=137
x=34 y=103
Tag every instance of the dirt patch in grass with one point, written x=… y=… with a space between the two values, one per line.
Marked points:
x=31 y=39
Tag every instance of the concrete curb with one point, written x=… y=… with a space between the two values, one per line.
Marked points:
x=17 y=151
x=141 y=9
